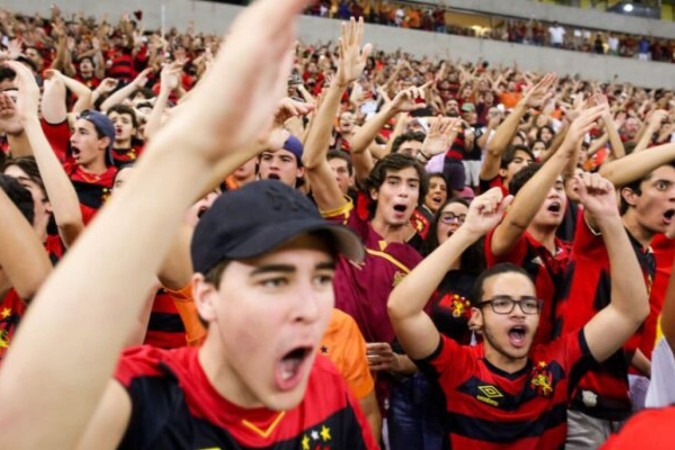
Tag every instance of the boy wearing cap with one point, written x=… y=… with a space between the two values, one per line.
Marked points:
x=284 y=164
x=253 y=384
x=89 y=161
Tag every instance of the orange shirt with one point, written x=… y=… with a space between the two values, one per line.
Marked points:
x=510 y=99
x=345 y=346
x=194 y=330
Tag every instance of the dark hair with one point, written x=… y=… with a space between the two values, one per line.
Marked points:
x=406 y=137
x=339 y=154
x=510 y=154
x=7 y=74
x=472 y=260
x=635 y=187
x=549 y=128
x=124 y=109
x=394 y=162
x=19 y=195
x=497 y=269
x=523 y=176
x=146 y=92
x=30 y=167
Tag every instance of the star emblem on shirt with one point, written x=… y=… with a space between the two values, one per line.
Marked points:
x=325 y=433
x=6 y=312
x=315 y=435
x=324 y=349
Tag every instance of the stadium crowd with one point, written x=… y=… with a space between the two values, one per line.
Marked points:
x=325 y=246
x=439 y=18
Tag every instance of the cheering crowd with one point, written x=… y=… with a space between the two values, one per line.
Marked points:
x=260 y=243
x=417 y=16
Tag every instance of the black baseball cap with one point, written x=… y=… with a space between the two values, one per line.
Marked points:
x=259 y=217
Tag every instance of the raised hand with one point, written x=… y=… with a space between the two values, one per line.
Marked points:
x=170 y=75
x=406 y=100
x=597 y=194
x=9 y=117
x=537 y=96
x=582 y=125
x=142 y=78
x=442 y=133
x=289 y=108
x=486 y=211
x=261 y=62
x=29 y=93
x=107 y=85
x=352 y=58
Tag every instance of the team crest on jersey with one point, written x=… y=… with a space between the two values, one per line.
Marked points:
x=398 y=277
x=317 y=439
x=542 y=379
x=457 y=305
x=489 y=394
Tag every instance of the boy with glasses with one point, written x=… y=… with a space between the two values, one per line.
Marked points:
x=507 y=391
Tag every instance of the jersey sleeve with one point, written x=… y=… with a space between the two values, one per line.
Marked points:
x=341 y=214
x=661 y=388
x=194 y=330
x=448 y=362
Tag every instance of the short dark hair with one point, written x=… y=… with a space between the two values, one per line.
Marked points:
x=495 y=270
x=523 y=176
x=19 y=195
x=510 y=153
x=635 y=187
x=124 y=109
x=393 y=163
x=339 y=154
x=417 y=136
x=30 y=167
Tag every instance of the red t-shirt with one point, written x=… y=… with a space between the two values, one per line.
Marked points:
x=491 y=409
x=92 y=190
x=651 y=429
x=603 y=390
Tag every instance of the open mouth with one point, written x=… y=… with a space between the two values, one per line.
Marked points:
x=668 y=216
x=74 y=151
x=517 y=335
x=273 y=176
x=289 y=369
x=400 y=208
x=555 y=207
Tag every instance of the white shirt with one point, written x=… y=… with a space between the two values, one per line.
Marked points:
x=661 y=388
x=557 y=34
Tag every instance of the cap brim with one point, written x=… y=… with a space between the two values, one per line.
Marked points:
x=272 y=236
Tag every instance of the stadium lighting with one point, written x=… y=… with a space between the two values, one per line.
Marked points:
x=628 y=7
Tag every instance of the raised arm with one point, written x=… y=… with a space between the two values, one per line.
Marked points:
x=60 y=190
x=621 y=172
x=53 y=107
x=37 y=381
x=508 y=128
x=168 y=81
x=414 y=329
x=122 y=94
x=610 y=328
x=351 y=63
x=533 y=194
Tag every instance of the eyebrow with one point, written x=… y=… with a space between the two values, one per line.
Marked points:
x=288 y=268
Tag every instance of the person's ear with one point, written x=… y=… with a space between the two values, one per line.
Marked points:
x=205 y=296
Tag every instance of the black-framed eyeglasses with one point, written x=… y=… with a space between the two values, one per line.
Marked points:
x=503 y=304
x=448 y=218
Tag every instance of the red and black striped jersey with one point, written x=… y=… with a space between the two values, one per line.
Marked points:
x=174 y=405
x=488 y=408
x=546 y=270
x=165 y=327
